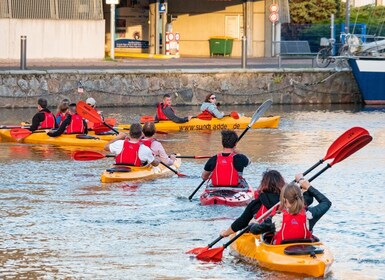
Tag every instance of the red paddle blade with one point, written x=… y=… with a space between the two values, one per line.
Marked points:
x=198 y=250
x=147 y=119
x=234 y=115
x=214 y=255
x=351 y=148
x=205 y=116
x=110 y=121
x=343 y=140
x=86 y=111
x=100 y=128
x=19 y=133
x=87 y=155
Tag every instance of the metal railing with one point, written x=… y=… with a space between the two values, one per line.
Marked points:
x=52 y=9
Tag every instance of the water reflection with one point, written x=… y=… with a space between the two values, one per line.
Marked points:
x=59 y=221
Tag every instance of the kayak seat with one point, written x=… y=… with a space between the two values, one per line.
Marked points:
x=303 y=250
x=105 y=133
x=86 y=136
x=118 y=169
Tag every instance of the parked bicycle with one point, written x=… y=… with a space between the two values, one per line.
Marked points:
x=326 y=55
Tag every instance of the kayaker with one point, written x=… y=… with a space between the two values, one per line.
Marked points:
x=92 y=102
x=155 y=145
x=226 y=168
x=166 y=112
x=73 y=124
x=209 y=106
x=62 y=111
x=293 y=220
x=43 y=119
x=131 y=151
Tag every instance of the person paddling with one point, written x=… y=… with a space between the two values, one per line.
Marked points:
x=131 y=151
x=43 y=119
x=166 y=112
x=62 y=111
x=155 y=145
x=73 y=124
x=226 y=168
x=210 y=107
x=293 y=220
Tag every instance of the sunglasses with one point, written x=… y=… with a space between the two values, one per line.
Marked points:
x=213 y=97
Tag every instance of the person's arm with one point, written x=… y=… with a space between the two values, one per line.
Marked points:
x=145 y=155
x=61 y=129
x=209 y=167
x=266 y=226
x=171 y=115
x=36 y=120
x=120 y=136
x=213 y=110
x=159 y=151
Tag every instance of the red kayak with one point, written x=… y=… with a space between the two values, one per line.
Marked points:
x=239 y=196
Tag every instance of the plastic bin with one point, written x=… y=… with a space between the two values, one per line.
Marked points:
x=221 y=45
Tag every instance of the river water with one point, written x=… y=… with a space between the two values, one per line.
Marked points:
x=59 y=222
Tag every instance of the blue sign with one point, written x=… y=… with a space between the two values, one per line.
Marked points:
x=162 y=8
x=131 y=44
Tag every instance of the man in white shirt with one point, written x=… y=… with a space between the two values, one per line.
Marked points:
x=130 y=150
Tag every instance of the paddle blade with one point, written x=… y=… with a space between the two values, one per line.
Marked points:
x=214 y=255
x=343 y=140
x=234 y=115
x=87 y=112
x=198 y=250
x=260 y=111
x=19 y=133
x=87 y=155
x=351 y=148
x=100 y=128
x=147 y=119
x=205 y=116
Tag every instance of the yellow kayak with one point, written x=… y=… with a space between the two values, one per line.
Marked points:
x=197 y=124
x=118 y=173
x=40 y=137
x=312 y=259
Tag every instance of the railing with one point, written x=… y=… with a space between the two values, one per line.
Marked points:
x=52 y=9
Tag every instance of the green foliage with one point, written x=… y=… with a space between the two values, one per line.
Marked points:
x=311 y=11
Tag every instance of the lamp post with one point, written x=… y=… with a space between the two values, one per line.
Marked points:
x=112 y=26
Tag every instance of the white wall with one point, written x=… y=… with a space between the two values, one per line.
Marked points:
x=63 y=39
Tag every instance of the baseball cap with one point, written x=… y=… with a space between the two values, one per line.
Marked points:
x=91 y=101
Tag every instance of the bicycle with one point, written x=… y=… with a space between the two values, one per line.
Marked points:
x=325 y=55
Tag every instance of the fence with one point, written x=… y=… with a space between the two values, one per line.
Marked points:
x=52 y=9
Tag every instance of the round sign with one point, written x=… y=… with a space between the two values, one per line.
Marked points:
x=177 y=36
x=171 y=36
x=274 y=8
x=273 y=17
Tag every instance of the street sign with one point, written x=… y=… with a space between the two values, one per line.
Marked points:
x=162 y=8
x=274 y=8
x=273 y=17
x=112 y=2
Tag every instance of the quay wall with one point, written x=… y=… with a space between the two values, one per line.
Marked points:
x=110 y=87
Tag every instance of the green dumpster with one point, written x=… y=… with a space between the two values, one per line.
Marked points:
x=221 y=45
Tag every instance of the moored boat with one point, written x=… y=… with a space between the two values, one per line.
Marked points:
x=237 y=196
x=120 y=173
x=312 y=259
x=196 y=124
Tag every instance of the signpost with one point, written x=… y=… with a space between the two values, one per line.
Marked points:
x=273 y=17
x=112 y=26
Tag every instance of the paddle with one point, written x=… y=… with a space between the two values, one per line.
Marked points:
x=339 y=143
x=86 y=111
x=258 y=113
x=91 y=155
x=20 y=133
x=355 y=145
x=194 y=157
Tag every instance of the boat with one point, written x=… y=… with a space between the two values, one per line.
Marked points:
x=227 y=122
x=40 y=137
x=369 y=73
x=230 y=196
x=121 y=173
x=305 y=258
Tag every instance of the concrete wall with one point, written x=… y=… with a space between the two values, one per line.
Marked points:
x=63 y=39
x=188 y=87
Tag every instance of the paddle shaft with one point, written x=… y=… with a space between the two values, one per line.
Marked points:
x=170 y=168
x=194 y=157
x=194 y=192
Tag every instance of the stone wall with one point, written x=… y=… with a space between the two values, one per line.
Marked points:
x=188 y=87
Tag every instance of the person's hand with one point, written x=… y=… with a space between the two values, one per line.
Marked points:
x=172 y=157
x=121 y=135
x=298 y=177
x=189 y=117
x=227 y=232
x=255 y=229
x=302 y=182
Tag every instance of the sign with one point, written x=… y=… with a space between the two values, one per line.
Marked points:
x=273 y=17
x=162 y=8
x=131 y=44
x=112 y=2
x=274 y=8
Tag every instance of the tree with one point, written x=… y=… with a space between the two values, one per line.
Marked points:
x=312 y=11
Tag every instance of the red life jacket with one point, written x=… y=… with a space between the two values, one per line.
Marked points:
x=129 y=154
x=161 y=116
x=224 y=173
x=49 y=121
x=293 y=227
x=263 y=209
x=61 y=116
x=148 y=141
x=76 y=125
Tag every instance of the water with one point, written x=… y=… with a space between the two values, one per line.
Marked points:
x=58 y=221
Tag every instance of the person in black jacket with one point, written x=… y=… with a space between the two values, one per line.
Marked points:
x=43 y=119
x=73 y=123
x=166 y=112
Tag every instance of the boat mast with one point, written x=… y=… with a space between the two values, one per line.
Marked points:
x=347 y=17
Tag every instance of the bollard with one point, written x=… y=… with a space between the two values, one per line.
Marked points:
x=23 y=52
x=244 y=52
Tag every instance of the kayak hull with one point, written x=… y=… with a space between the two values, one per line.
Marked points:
x=251 y=248
x=138 y=173
x=196 y=124
x=227 y=196
x=41 y=137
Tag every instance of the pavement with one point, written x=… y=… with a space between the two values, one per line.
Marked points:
x=154 y=63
